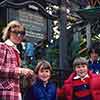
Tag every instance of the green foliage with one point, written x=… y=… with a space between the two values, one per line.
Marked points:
x=52 y=54
x=75 y=46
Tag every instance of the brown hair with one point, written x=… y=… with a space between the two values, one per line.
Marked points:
x=45 y=65
x=79 y=60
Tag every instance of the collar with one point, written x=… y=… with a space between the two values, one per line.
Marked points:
x=40 y=82
x=10 y=43
x=78 y=77
x=97 y=61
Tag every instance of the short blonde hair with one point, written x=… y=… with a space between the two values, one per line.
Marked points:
x=44 y=64
x=13 y=26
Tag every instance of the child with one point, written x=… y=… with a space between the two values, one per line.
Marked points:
x=82 y=84
x=43 y=88
x=94 y=61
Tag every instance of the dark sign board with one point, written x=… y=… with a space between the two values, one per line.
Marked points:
x=35 y=23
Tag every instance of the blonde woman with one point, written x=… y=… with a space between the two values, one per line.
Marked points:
x=10 y=70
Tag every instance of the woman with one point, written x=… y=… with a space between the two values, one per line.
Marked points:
x=10 y=62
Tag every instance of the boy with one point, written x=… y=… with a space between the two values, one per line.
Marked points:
x=94 y=61
x=82 y=84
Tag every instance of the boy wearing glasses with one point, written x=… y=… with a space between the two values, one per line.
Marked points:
x=81 y=84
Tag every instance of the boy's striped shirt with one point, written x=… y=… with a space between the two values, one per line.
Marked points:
x=81 y=89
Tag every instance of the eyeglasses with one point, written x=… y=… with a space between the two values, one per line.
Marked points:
x=20 y=33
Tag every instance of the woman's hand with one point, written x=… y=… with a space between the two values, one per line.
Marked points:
x=26 y=72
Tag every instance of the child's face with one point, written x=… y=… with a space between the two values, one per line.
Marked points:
x=44 y=74
x=81 y=70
